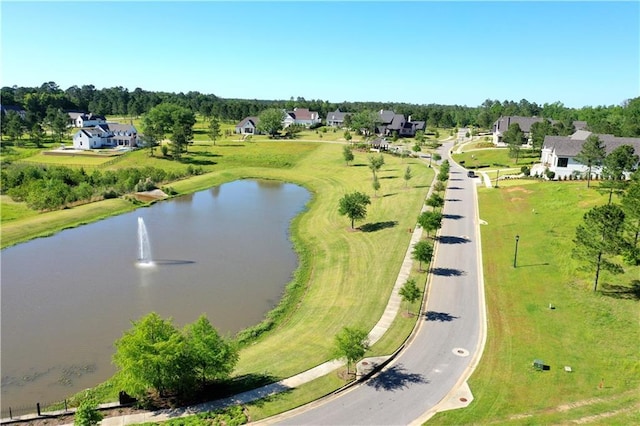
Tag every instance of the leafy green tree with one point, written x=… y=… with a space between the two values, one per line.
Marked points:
x=407 y=176
x=599 y=239
x=416 y=148
x=375 y=185
x=348 y=123
x=420 y=136
x=293 y=130
x=539 y=130
x=13 y=126
x=351 y=343
x=87 y=413
x=214 y=129
x=354 y=206
x=58 y=121
x=591 y=154
x=618 y=162
x=172 y=120
x=365 y=122
x=422 y=252
x=631 y=208
x=213 y=357
x=410 y=292
x=347 y=154
x=435 y=201
x=347 y=136
x=151 y=356
x=438 y=186
x=37 y=134
x=621 y=160
x=270 y=121
x=514 y=137
x=430 y=221
x=376 y=163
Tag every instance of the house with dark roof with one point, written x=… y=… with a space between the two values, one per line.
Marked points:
x=5 y=109
x=559 y=152
x=502 y=125
x=335 y=118
x=106 y=135
x=248 y=126
x=302 y=117
x=391 y=122
x=85 y=119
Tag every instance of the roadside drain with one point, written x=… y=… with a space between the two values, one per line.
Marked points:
x=460 y=352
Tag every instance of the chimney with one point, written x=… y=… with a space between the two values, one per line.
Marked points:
x=409 y=120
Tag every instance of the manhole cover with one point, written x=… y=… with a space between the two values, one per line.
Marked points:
x=460 y=352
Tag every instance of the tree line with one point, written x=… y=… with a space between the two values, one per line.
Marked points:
x=38 y=102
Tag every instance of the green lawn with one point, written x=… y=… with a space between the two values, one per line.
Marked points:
x=596 y=334
x=495 y=158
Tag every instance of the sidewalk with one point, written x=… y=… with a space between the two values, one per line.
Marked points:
x=389 y=314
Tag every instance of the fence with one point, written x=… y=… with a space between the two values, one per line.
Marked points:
x=31 y=410
x=28 y=413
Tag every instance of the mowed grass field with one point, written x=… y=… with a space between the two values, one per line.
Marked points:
x=596 y=334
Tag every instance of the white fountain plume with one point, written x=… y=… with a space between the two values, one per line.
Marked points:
x=144 y=247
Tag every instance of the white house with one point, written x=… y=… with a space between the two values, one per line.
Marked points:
x=84 y=119
x=559 y=152
x=106 y=135
x=248 y=126
x=301 y=116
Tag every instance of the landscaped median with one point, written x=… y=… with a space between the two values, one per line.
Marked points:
x=545 y=309
x=345 y=277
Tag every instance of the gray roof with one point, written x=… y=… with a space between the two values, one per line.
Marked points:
x=570 y=146
x=386 y=116
x=336 y=115
x=502 y=124
x=579 y=125
x=252 y=120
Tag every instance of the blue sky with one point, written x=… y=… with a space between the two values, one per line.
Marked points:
x=577 y=53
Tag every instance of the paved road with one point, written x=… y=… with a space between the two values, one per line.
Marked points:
x=431 y=373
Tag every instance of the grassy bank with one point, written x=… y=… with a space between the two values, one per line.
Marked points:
x=596 y=334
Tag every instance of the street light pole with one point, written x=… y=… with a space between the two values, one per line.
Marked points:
x=515 y=255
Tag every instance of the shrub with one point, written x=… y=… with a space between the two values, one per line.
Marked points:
x=525 y=170
x=110 y=193
x=550 y=174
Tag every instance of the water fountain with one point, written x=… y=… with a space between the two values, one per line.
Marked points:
x=144 y=247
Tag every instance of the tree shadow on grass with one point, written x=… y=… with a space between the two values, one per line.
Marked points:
x=450 y=239
x=439 y=316
x=372 y=227
x=448 y=272
x=395 y=378
x=196 y=161
x=207 y=154
x=622 y=291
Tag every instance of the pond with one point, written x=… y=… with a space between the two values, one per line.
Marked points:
x=224 y=252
